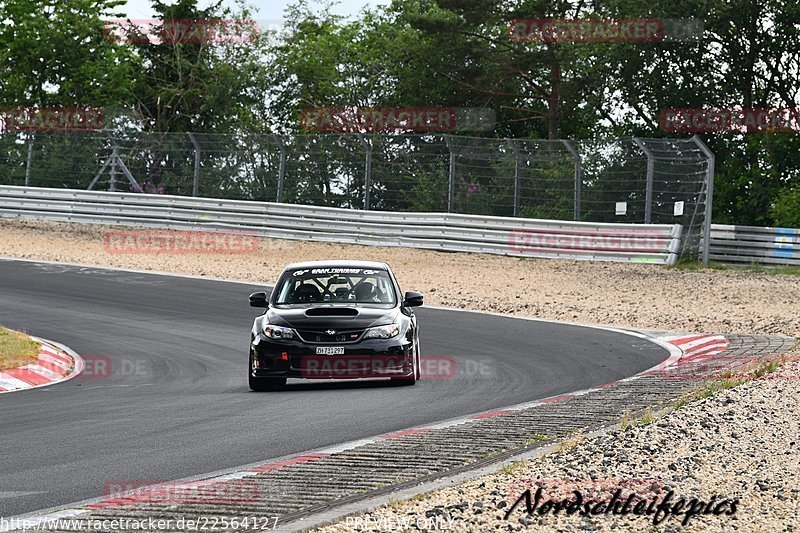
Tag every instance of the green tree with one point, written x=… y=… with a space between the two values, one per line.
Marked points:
x=538 y=89
x=747 y=57
x=55 y=54
x=193 y=78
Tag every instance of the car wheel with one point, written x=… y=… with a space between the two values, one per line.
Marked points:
x=262 y=384
x=266 y=384
x=419 y=364
x=403 y=382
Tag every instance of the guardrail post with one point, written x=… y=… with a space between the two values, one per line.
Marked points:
x=28 y=162
x=281 y=167
x=517 y=175
x=709 y=196
x=367 y=170
x=576 y=210
x=196 y=180
x=648 y=197
x=451 y=180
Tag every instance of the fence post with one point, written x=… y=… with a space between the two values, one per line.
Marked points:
x=281 y=168
x=28 y=162
x=576 y=210
x=196 y=181
x=517 y=174
x=112 y=184
x=451 y=180
x=367 y=170
x=648 y=197
x=709 y=196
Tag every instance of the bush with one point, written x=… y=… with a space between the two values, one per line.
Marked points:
x=786 y=208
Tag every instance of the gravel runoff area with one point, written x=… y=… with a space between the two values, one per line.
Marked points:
x=739 y=443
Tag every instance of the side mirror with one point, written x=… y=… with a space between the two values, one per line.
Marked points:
x=412 y=299
x=259 y=299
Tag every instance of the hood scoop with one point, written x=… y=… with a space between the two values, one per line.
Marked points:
x=332 y=311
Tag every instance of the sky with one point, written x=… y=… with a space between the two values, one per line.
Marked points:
x=267 y=9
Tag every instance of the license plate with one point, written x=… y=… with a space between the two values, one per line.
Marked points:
x=330 y=350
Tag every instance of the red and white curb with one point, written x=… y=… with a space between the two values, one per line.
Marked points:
x=55 y=363
x=697 y=348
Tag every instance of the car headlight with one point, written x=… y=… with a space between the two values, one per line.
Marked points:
x=278 y=332
x=383 y=332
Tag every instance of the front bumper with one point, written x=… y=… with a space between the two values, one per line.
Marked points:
x=373 y=358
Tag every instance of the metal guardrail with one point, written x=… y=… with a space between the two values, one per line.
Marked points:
x=750 y=244
x=659 y=244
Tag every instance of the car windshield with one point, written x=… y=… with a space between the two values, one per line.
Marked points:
x=336 y=285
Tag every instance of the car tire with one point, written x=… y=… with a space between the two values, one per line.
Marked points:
x=419 y=363
x=266 y=384
x=405 y=382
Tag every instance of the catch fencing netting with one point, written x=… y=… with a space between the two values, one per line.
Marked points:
x=633 y=180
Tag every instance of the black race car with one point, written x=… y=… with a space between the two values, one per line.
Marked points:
x=334 y=320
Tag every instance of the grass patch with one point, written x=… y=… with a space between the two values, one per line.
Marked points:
x=774 y=270
x=490 y=453
x=691 y=265
x=513 y=467
x=715 y=386
x=570 y=443
x=729 y=379
x=646 y=418
x=539 y=437
x=626 y=420
x=398 y=504
x=696 y=266
x=421 y=497
x=16 y=349
x=767 y=367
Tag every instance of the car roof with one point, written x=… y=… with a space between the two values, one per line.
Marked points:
x=338 y=264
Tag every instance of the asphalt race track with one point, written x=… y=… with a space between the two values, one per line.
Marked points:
x=166 y=396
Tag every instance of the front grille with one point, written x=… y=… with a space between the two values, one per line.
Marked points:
x=340 y=337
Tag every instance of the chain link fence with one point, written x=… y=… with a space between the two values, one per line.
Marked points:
x=635 y=180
